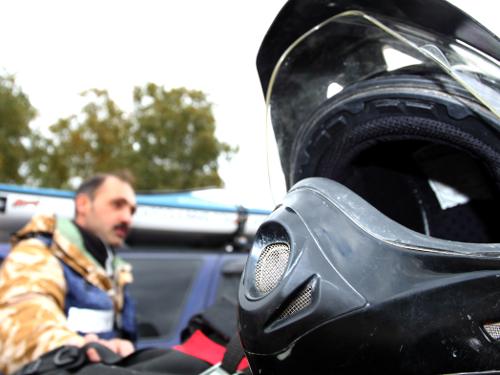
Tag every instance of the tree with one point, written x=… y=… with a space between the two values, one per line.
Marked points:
x=16 y=112
x=98 y=139
x=174 y=138
x=168 y=142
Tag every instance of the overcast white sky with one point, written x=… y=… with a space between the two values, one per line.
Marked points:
x=59 y=48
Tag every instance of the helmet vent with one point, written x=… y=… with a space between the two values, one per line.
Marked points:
x=493 y=330
x=271 y=266
x=300 y=302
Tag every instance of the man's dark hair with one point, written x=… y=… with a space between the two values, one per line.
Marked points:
x=89 y=186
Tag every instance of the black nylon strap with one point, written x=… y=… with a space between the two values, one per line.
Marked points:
x=217 y=322
x=68 y=358
x=233 y=356
x=107 y=356
x=63 y=358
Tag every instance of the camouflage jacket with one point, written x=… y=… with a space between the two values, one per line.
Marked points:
x=33 y=290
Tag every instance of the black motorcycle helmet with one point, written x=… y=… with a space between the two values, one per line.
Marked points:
x=384 y=256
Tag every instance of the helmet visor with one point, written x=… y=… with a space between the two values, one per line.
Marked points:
x=354 y=46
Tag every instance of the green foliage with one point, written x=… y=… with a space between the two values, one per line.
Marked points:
x=168 y=142
x=16 y=112
x=173 y=133
x=98 y=139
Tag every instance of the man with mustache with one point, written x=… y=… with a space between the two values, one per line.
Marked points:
x=63 y=284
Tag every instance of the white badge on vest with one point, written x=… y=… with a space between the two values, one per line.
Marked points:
x=90 y=321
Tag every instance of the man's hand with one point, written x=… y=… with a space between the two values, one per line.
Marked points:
x=119 y=346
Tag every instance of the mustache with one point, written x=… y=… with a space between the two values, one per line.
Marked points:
x=122 y=226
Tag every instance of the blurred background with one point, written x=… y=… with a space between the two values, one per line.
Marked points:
x=168 y=89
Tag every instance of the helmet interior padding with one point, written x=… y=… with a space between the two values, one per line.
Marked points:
x=422 y=156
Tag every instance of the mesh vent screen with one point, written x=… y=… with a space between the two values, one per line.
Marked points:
x=493 y=330
x=271 y=266
x=301 y=301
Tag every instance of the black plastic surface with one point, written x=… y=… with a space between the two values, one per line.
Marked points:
x=385 y=299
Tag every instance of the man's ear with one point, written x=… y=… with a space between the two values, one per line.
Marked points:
x=82 y=205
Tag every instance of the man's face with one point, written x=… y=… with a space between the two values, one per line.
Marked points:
x=109 y=214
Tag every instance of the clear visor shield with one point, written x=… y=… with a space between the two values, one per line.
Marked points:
x=351 y=47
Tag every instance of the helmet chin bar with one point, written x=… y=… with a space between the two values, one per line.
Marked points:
x=357 y=292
